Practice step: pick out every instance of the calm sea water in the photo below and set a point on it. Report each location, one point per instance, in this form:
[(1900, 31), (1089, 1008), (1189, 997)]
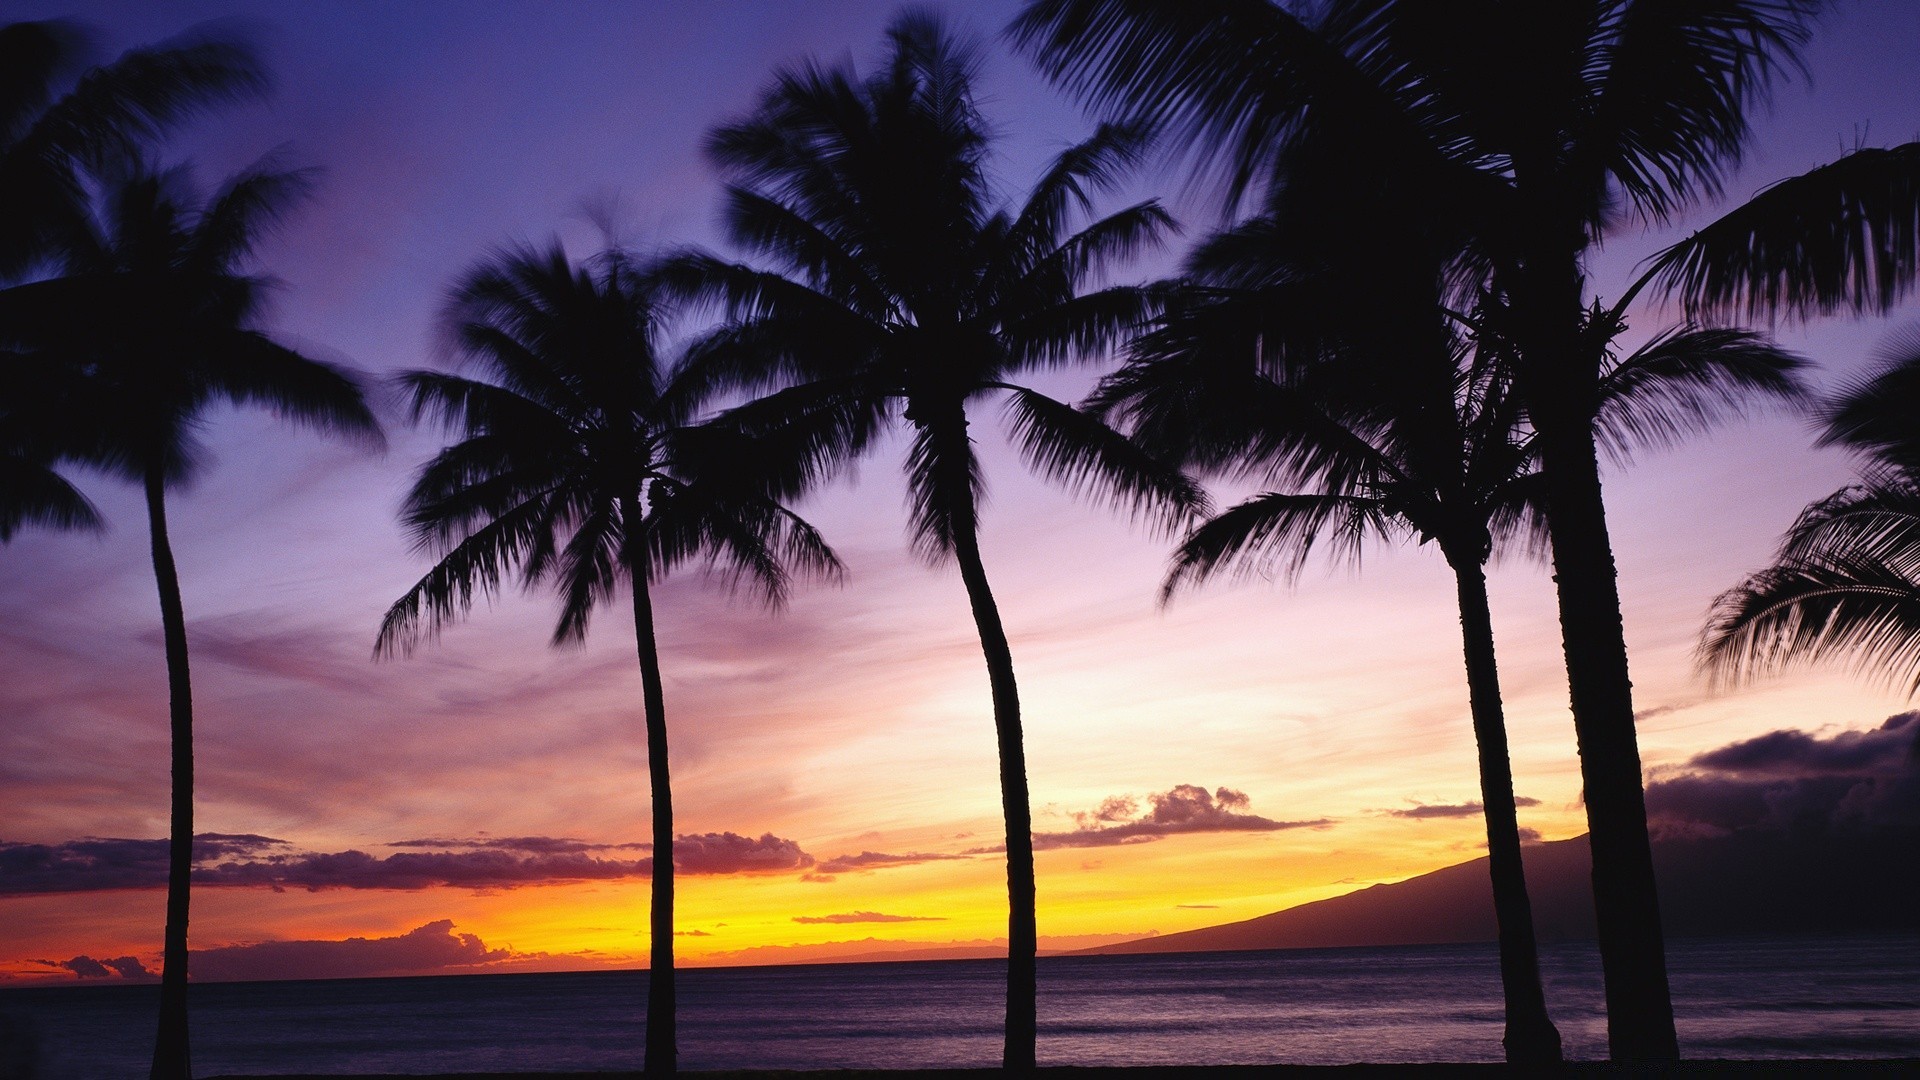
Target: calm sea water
[(1856, 996)]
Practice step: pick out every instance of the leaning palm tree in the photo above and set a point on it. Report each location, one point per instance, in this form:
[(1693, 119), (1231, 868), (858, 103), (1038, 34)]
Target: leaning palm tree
[(1845, 583), (153, 319), (1400, 423), (1528, 131), (579, 465), (901, 290)]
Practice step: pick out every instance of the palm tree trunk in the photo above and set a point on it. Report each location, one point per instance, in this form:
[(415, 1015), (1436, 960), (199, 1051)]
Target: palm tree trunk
[(1531, 1038), (171, 1060), (1559, 374), (1626, 905), (662, 1055), (1023, 1025)]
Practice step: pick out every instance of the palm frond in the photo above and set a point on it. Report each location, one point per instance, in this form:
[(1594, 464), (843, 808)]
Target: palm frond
[(1841, 237), (1812, 610), (1672, 86), (246, 210), (945, 488), (1079, 450), (116, 108), (1068, 187), (1874, 415), (1276, 532), (1685, 380), (473, 566), (598, 552), (1221, 80), (1051, 274), (1081, 328), (32, 493), (251, 368)]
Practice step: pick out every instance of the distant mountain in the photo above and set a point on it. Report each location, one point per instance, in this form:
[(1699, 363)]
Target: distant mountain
[(1755, 882)]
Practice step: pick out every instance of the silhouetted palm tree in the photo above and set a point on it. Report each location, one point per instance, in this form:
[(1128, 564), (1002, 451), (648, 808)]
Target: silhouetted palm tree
[(902, 289), (1392, 423), (1846, 580), (1526, 131), (579, 466), (153, 319)]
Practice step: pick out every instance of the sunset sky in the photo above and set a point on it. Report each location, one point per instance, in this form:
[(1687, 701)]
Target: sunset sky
[(482, 805)]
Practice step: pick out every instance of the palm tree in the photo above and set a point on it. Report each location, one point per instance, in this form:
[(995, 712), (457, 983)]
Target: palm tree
[(1846, 580), (901, 290), (1398, 423), (579, 466), (1526, 131), (182, 334)]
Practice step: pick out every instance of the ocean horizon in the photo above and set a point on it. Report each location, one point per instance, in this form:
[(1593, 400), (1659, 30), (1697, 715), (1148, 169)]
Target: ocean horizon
[(1810, 996)]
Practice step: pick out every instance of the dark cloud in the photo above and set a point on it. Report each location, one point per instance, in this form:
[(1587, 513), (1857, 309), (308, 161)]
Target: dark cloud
[(1794, 782), (1196, 907), (1454, 810), (866, 917), (730, 853), (424, 949), (539, 845), (879, 860), (98, 862), (86, 967), (263, 862), (485, 868), (1787, 754), (1187, 808)]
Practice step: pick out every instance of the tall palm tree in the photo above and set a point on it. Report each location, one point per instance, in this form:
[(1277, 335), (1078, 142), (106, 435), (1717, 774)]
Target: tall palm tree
[(153, 319), (579, 466), (1527, 131), (1846, 580), (1393, 423), (899, 288)]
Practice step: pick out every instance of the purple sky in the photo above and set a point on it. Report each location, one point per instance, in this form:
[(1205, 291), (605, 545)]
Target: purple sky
[(858, 721)]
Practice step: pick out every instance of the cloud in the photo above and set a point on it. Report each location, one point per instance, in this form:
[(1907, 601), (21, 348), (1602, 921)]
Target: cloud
[(1196, 907), (730, 853), (877, 860), (241, 860), (544, 845), (97, 862), (1186, 808), (1795, 782), (1788, 754), (86, 967), (1454, 810), (433, 947), (865, 917)]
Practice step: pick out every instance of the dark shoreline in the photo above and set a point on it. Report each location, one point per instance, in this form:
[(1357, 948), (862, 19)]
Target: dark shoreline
[(1595, 1069)]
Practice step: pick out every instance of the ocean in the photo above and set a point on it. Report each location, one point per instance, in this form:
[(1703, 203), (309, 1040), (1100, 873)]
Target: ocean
[(1850, 996)]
